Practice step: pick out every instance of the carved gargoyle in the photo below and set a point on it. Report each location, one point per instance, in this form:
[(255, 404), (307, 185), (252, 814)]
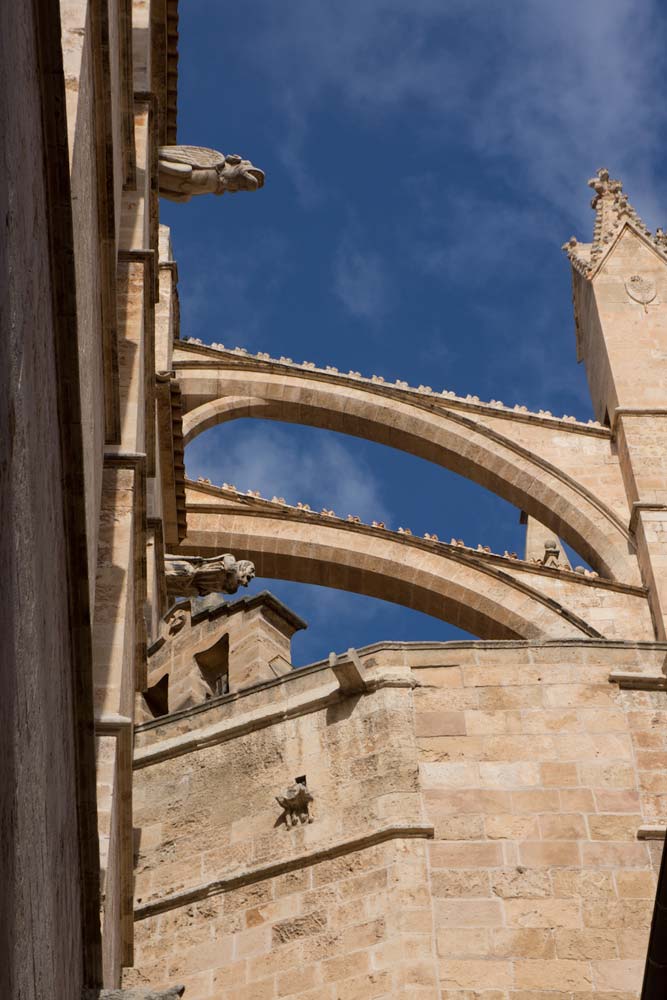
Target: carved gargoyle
[(187, 170), (194, 576), (296, 802)]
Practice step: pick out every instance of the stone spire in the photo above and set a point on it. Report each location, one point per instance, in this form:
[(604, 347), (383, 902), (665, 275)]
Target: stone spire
[(612, 211)]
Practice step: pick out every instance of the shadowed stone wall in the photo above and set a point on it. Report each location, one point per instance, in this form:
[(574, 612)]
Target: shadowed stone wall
[(48, 870)]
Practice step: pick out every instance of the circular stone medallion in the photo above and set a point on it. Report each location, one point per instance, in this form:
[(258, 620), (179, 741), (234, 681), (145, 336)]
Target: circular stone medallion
[(641, 289)]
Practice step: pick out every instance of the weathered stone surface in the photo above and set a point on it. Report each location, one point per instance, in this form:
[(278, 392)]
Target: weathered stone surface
[(193, 576), (49, 901), (185, 171)]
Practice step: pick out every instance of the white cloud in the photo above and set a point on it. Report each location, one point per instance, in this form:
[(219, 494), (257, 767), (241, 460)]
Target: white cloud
[(548, 91), (360, 279), (272, 460), (225, 283), (465, 237)]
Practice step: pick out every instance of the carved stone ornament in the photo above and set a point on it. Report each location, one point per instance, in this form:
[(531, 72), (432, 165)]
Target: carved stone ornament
[(551, 555), (187, 170), (296, 802), (176, 622), (641, 289), (194, 576)]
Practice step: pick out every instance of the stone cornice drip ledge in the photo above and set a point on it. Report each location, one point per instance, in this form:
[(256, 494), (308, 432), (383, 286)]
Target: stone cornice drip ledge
[(247, 876)]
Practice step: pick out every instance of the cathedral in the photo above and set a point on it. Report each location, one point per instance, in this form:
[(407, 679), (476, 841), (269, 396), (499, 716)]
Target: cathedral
[(182, 811)]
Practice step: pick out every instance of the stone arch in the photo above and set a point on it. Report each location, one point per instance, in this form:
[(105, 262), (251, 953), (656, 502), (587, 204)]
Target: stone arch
[(215, 393), (456, 587)]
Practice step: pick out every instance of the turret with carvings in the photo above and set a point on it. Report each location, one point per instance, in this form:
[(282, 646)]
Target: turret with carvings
[(188, 170)]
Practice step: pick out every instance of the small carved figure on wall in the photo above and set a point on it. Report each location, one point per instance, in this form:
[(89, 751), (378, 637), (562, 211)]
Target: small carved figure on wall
[(184, 171), (176, 622), (194, 576), (295, 801)]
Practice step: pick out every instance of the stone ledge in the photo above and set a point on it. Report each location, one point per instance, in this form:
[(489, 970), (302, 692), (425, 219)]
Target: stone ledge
[(321, 666), (583, 642), (636, 411), (638, 508), (397, 831), (651, 832), (629, 681), (231, 729), (468, 645), (170, 993)]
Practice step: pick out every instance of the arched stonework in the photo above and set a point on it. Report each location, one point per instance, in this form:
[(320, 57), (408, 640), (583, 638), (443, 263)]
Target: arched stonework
[(490, 596), (565, 474)]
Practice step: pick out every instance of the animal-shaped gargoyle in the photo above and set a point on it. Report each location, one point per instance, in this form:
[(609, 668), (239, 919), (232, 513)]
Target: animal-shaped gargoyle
[(296, 801), (187, 170)]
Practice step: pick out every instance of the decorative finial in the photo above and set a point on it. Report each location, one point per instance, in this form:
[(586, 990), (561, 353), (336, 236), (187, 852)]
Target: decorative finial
[(604, 186), (612, 209)]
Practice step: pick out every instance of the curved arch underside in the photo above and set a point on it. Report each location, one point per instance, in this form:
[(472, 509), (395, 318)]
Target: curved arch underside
[(490, 597), (217, 391)]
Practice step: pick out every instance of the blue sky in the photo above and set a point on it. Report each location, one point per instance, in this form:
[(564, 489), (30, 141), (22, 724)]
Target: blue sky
[(424, 163)]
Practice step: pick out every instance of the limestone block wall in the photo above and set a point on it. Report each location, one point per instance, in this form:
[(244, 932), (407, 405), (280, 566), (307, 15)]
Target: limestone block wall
[(234, 903), (627, 344), (536, 779), (356, 926), (78, 364), (479, 834)]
